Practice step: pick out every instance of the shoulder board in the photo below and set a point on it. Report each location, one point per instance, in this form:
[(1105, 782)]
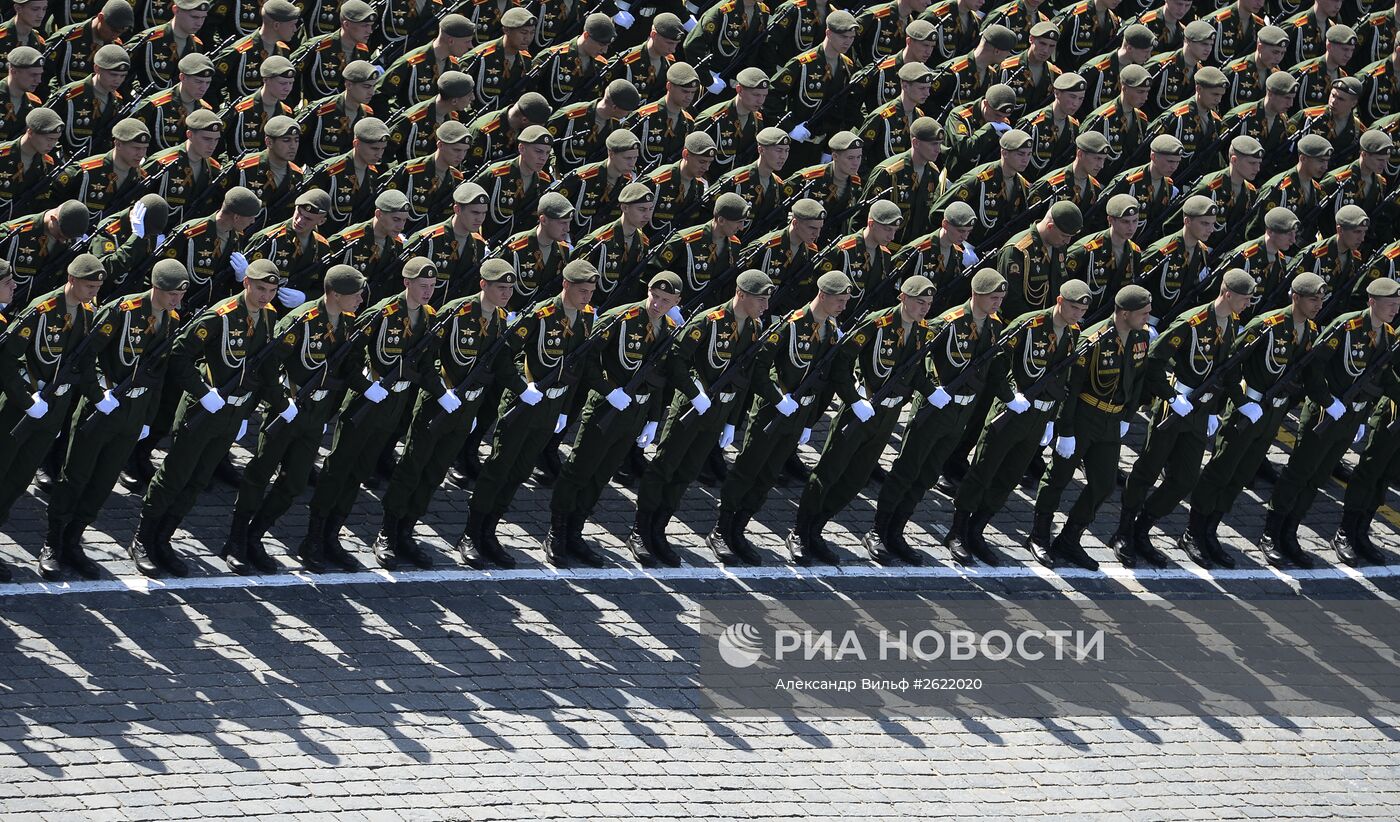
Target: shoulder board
[(1137, 176), (226, 307), (632, 57), (883, 11), (649, 109), (197, 229), (662, 175), (1315, 110), (881, 322), (215, 164), (500, 171), (416, 166), (338, 166), (987, 174), (812, 173), (415, 59), (589, 172), (431, 312), (1274, 319), (1036, 321), (250, 161), (954, 313), (1320, 251), (808, 56), (1094, 244), (577, 112), (1182, 109), (546, 311), (692, 236), (1199, 317), (519, 244), (47, 305), (631, 313), (132, 303), (848, 243), (1011, 62), (1058, 177), (1170, 246), (1252, 251), (717, 314), (92, 163), (1025, 242), (244, 104), (353, 233), (326, 107), (1355, 322), (75, 91)]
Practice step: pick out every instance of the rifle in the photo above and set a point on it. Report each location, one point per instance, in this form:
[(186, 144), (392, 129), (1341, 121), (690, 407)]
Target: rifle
[(216, 184), (140, 375), (567, 368), (1046, 380), (1213, 381), (473, 379), (321, 379), (967, 371), (828, 104), (1363, 388), (817, 372), (42, 188), (402, 371), (895, 379), (1339, 294), (243, 378), (62, 380)]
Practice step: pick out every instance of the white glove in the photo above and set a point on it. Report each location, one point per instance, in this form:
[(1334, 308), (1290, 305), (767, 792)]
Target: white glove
[(675, 315), (787, 406), (1336, 409), (1000, 128), (240, 265), (376, 393), (1181, 405), (1360, 434), (242, 429), (969, 255), (473, 428), (290, 297), (624, 19), (619, 399), (137, 217), (379, 71), (800, 133), (531, 395), (290, 412), (1048, 435), (1064, 446), (939, 398), (1122, 429), (511, 316), (449, 401), (561, 423), (145, 432), (806, 435), (690, 24), (648, 435), (1151, 333), (108, 403), (701, 402), (211, 401), (863, 410), (1201, 277), (1019, 404), (1252, 411), (1212, 425), (717, 84), (160, 240), (38, 407), (726, 436)]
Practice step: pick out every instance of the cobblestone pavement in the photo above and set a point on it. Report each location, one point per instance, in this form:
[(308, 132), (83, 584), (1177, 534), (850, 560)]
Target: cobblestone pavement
[(541, 695)]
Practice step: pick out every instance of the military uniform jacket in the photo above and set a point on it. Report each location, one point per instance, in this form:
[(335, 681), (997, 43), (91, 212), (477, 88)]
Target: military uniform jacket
[(561, 70), (33, 348), (486, 16), (156, 52), (821, 183), (381, 263), (1307, 35), (1266, 269), (177, 180), (1052, 141), (914, 190), (994, 197), (697, 255), (1236, 31), (706, 347), (962, 341), (1353, 342), (1375, 37), (490, 139), (1315, 81), (125, 329), (1290, 191), (352, 192), (971, 140), (321, 62), (794, 27), (874, 349), (1107, 379), (306, 339), (594, 199), (1275, 133), (1085, 32), (671, 202), (513, 197), (1062, 184), (1381, 95), (1153, 196), (1094, 260), (428, 186), (392, 331), (737, 141), (1283, 343), (1030, 82), (763, 192), (1326, 259), (866, 269), (1195, 127), (789, 351), (77, 11), (457, 264), (628, 338), (26, 246), (875, 89), (232, 18), (1246, 81), (400, 18), (123, 254), (781, 262), (1100, 81), (1171, 265), (661, 131), (298, 258), (1169, 34), (164, 114), (930, 260), (1175, 79), (1033, 349), (635, 65), (1343, 134), (886, 131), (496, 73), (87, 120), (954, 33), (881, 32), (410, 80), (1124, 128), (616, 256), (214, 349), (960, 81), (196, 244), (327, 129), (556, 18), (578, 135), (1186, 353), (1033, 272), (237, 68), (12, 113), (533, 269), (1235, 204), (464, 339), (1356, 188), (95, 182), (1018, 17), (277, 193), (540, 343), (802, 85), (73, 50), (245, 120)]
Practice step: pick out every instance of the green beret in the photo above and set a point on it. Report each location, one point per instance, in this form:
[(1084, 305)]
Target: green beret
[(362, 71), (773, 136), (1281, 82), (131, 130), (1383, 287), (1093, 142), (344, 279), (755, 282), (917, 286), (1000, 37), (841, 22), (170, 275), (24, 57), (1066, 217), (1281, 219), (920, 31), (1045, 29), (1167, 144), (700, 144), (1348, 216), (496, 270), (555, 206), (926, 130), (834, 282), (1340, 33), (73, 219), (1122, 205), (620, 139), (532, 135), (112, 56), (635, 193), (315, 199), (86, 267), (988, 281), (1308, 284), (1070, 81), (242, 201), (1139, 36), (391, 201), (1350, 85), (1210, 76), (534, 108), (885, 212), (263, 271), (457, 25), (959, 214), (204, 120), (666, 281), (1199, 31), (277, 66), (752, 78), (418, 268), (1247, 146), (472, 194), (623, 94), (1199, 205), (281, 126), (1076, 291), (280, 11), (599, 28), (451, 132), (1272, 36), (1376, 141), (1132, 298), (914, 72), (669, 26), (455, 84), (1315, 146), (808, 209), (580, 271), (1134, 76), (1001, 97), (1013, 139), (118, 15), (517, 17), (843, 140), (682, 74), (157, 214), (1238, 281), (731, 206), (195, 64)]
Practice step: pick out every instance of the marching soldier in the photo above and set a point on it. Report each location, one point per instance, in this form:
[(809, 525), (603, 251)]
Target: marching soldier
[(143, 227), (1316, 75), (580, 131), (1265, 259), (1238, 25), (294, 245), (495, 135), (663, 125), (1032, 262), (680, 186), (375, 246), (956, 24), (412, 132), (17, 98), (645, 65), (416, 76), (1336, 121), (1176, 266), (1031, 74), (1195, 122), (514, 186), (499, 67), (1249, 74), (1298, 190), (165, 112), (538, 256), (882, 28), (1266, 120), (1020, 16), (429, 181), (1107, 260), (1361, 182), (1381, 80), (246, 120), (734, 124), (1377, 36), (28, 245), (618, 249), (209, 247), (75, 44), (89, 107), (974, 129), (107, 182), (455, 245), (997, 191), (702, 252), (758, 182), (328, 124), (1104, 74), (835, 184), (880, 86), (593, 189), (865, 257), (803, 91), (942, 254), (1232, 188), (913, 179), (728, 34), (1053, 128), (1077, 182), (186, 173), (156, 51), (885, 132), (565, 71), (240, 63), (787, 254), (271, 173), (1175, 71), (350, 178), (1086, 29), (322, 59), (1367, 488), (963, 79), (1167, 22), (1151, 183), (1337, 259)]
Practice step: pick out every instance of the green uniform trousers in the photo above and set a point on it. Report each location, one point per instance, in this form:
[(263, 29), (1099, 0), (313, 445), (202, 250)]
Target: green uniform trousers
[(1313, 458), (1378, 466), (760, 459), (1097, 444), (293, 447), (355, 450), (1241, 447), (848, 458), (435, 439), (1173, 453), (680, 454), (1000, 459), (923, 451), (21, 456), (194, 454), (96, 456), (515, 448), (597, 453)]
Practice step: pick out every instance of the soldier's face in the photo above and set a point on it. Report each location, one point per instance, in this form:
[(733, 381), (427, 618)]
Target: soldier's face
[(1282, 240), (753, 98), (1177, 9), (452, 154), (1134, 96), (344, 303), (1124, 227), (914, 308), (1210, 97), (591, 48), (577, 295), (1308, 306), (832, 304), (519, 39), (807, 231), (972, 5), (167, 300), (1247, 167), (1252, 6), (774, 157), (357, 32), (927, 151), (305, 219), (554, 229), (918, 51), (7, 290), (663, 46), (26, 79), (472, 216), (956, 234), (1235, 303), (1017, 160), (534, 156), (1270, 56), (680, 96), (1313, 167), (1069, 101), (1092, 162), (848, 161), (625, 162), (1351, 237), (497, 293), (882, 234), (1342, 103), (420, 289), (370, 153), (751, 306), (110, 79), (190, 21), (457, 46), (1134, 320), (84, 290), (458, 104), (130, 153), (1385, 308), (1329, 7), (840, 41), (1279, 103), (284, 31), (203, 143), (278, 88), (1198, 50), (726, 228), (361, 93), (638, 214), (195, 86), (698, 165), (917, 92), (1375, 163), (43, 143), (1200, 227), (659, 302), (1165, 164), (1070, 313), (391, 223), (284, 148), (241, 223), (1042, 48), (258, 293), (988, 303), (32, 14)]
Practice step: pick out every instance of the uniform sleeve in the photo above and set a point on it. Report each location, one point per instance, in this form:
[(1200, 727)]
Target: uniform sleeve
[(1078, 373), (761, 379), (850, 351), (186, 351), (1161, 360)]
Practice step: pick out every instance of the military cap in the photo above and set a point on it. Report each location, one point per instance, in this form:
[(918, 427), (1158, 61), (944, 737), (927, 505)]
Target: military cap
[(1341, 33), (834, 282), (535, 134), (496, 270), (242, 201), (157, 213), (623, 94), (316, 199), (773, 136), (1167, 144), (1199, 31), (362, 71), (555, 206), (263, 271), (841, 22), (580, 271), (191, 5), (25, 57), (808, 209), (731, 206), (753, 281), (196, 65), (112, 56), (280, 11), (842, 140), (1092, 141), (1315, 146), (1210, 76), (170, 275), (1014, 138), (131, 130), (517, 17), (920, 31), (1076, 291), (455, 84), (926, 130), (371, 130), (471, 194), (1376, 141), (682, 74), (391, 201), (1308, 284), (43, 121), (1350, 85), (1280, 219), (915, 72), (451, 132), (1246, 146), (1350, 216), (635, 193), (1272, 36), (344, 279), (959, 214), (700, 144), (1139, 36), (205, 120), (1132, 298), (1133, 76), (118, 14), (1000, 37), (620, 139), (1383, 287), (73, 219), (418, 268), (917, 286), (599, 28), (666, 281), (1123, 205), (457, 25), (1066, 217), (1045, 29), (281, 126), (534, 108), (669, 26), (1281, 82), (1070, 81), (1199, 205), (1002, 98), (86, 267), (752, 78), (356, 11), (885, 212), (6, 272), (277, 66), (1238, 281), (988, 281)]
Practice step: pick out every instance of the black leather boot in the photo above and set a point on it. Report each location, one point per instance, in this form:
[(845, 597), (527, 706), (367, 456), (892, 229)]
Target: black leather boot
[(1212, 546), (1039, 542), (1193, 540), (556, 542), (1342, 543), (470, 545), (74, 556), (1122, 543), (815, 548), (874, 540), (169, 558), (977, 538), (1068, 546), (661, 547), (1288, 540), (718, 538), (1361, 538), (386, 543), (51, 554), (409, 547), (579, 547), (492, 545), (256, 551), (312, 551), (957, 538), (739, 542), (140, 548), (1269, 543), (333, 549), (235, 548), (639, 539), (1142, 543)]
